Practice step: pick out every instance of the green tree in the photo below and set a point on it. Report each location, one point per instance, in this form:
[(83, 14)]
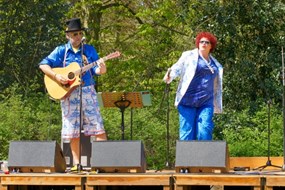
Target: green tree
[(28, 29)]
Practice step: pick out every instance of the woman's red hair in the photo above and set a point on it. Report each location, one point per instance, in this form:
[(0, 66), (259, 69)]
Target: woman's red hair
[(209, 36)]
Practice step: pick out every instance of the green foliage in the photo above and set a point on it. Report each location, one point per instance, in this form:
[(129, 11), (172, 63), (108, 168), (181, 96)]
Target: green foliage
[(29, 29), (247, 132), (250, 48), (32, 118)]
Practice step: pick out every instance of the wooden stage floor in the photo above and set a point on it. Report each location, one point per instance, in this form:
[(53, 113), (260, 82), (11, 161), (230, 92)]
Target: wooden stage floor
[(268, 179)]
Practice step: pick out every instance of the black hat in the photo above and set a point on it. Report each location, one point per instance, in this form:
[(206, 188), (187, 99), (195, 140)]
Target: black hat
[(73, 24)]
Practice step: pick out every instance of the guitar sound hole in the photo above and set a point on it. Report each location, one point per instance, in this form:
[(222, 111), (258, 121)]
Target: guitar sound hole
[(71, 75), (66, 85)]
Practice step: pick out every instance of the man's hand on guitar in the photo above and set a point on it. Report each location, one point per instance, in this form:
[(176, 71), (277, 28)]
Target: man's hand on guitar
[(59, 78), (61, 81), (101, 66)]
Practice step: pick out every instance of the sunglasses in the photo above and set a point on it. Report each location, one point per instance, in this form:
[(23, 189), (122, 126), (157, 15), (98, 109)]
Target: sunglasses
[(77, 33), (204, 42)]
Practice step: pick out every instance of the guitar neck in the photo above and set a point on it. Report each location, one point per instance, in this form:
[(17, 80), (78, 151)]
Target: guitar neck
[(89, 66)]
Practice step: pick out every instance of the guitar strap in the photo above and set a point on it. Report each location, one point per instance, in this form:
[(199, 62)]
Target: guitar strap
[(65, 54), (85, 60)]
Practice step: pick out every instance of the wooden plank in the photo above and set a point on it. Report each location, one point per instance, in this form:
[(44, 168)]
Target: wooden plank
[(41, 180), (128, 179), (272, 181), (3, 187), (100, 180), (225, 180)]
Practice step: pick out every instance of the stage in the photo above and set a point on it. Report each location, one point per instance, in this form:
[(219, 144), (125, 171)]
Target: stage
[(268, 179)]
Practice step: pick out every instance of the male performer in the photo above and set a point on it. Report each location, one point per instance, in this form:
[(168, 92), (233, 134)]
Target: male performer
[(76, 51)]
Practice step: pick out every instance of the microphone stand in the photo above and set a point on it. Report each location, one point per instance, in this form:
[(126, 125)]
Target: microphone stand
[(283, 108), (166, 93), (268, 163), (79, 166), (167, 126)]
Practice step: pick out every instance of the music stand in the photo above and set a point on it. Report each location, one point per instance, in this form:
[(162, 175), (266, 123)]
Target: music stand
[(122, 100)]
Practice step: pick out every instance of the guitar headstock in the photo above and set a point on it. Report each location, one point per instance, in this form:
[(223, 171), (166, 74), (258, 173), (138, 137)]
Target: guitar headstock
[(112, 55)]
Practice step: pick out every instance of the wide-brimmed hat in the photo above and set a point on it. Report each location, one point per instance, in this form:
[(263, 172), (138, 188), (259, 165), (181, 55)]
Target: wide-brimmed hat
[(73, 24)]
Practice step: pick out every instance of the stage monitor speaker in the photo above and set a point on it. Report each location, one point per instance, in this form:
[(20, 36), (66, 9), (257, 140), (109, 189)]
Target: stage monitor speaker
[(118, 157), (202, 156), (36, 156)]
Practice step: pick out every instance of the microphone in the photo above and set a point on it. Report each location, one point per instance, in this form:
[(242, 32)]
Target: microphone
[(83, 40), (166, 77), (168, 72)]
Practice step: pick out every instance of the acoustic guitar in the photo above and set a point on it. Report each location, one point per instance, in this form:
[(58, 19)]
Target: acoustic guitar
[(72, 72)]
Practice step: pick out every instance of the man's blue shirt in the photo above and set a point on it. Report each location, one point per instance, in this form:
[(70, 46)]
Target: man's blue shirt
[(57, 56)]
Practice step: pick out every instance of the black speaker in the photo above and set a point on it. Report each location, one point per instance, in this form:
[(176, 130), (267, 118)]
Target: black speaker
[(36, 156), (118, 157), (202, 156)]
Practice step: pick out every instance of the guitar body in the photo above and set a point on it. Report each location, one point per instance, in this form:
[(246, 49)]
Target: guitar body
[(72, 72), (59, 91)]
